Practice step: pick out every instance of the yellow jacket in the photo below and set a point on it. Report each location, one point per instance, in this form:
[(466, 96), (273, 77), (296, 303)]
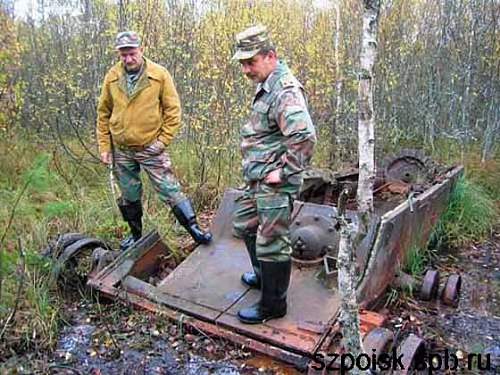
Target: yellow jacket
[(152, 112)]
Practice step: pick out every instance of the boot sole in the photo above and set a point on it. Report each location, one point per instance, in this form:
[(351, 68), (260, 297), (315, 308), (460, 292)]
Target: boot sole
[(249, 285), (247, 321)]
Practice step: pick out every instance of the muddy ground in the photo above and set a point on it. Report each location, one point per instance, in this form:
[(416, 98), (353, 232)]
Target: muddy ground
[(113, 338), (473, 327)]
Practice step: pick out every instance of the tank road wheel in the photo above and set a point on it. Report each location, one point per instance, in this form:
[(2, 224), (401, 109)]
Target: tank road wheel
[(451, 291), (413, 351), (379, 339), (409, 166), (430, 285)]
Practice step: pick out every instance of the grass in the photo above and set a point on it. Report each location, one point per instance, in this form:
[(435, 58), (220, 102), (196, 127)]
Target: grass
[(56, 195), (470, 217), (416, 261)]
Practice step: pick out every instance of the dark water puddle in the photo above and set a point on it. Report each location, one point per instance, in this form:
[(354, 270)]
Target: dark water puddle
[(138, 342)]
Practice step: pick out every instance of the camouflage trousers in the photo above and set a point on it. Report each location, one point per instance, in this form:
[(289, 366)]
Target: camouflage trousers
[(265, 210), (156, 162)]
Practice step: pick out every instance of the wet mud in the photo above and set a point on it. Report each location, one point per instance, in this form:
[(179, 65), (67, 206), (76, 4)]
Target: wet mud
[(471, 328)]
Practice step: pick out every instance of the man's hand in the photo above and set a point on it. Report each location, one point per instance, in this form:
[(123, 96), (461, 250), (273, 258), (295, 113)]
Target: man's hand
[(106, 158), (158, 145), (273, 177)]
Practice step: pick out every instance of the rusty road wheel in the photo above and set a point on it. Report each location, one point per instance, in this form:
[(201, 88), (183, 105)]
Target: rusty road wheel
[(430, 285), (413, 351), (379, 339), (451, 291), (410, 166)]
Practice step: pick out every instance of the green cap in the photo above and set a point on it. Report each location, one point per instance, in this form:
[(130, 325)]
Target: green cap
[(250, 42), (127, 39)]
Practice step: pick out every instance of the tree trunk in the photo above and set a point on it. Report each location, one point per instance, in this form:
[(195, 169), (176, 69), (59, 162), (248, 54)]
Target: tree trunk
[(347, 280), (338, 83), (490, 135), (366, 117)]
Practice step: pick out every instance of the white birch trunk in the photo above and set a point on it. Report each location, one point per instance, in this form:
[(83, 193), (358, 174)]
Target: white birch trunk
[(347, 280), (346, 262), (366, 116)]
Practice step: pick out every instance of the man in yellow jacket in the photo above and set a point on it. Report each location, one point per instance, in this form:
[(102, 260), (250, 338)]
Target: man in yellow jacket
[(139, 113)]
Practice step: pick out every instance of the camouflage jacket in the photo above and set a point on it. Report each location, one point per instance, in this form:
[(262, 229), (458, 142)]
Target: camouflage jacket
[(279, 133)]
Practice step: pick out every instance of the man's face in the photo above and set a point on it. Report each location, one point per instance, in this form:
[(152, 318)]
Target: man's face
[(259, 67), (131, 57)]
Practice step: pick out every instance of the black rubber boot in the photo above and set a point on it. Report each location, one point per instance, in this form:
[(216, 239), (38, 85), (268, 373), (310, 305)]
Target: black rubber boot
[(132, 214), (252, 279), (184, 213), (272, 304)]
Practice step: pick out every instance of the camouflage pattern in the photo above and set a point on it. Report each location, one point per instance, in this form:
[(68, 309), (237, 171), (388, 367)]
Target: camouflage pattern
[(133, 78), (278, 135), (265, 210), (127, 39), (156, 162), (250, 42)]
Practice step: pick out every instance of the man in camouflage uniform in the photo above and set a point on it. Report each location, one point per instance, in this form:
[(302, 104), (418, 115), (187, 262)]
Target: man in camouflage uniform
[(277, 144), (139, 114)]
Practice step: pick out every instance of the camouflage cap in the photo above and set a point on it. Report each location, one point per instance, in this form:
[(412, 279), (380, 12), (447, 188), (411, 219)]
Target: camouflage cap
[(127, 39), (250, 42)]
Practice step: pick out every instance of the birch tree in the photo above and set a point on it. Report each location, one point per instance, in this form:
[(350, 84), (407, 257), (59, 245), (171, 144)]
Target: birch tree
[(346, 264), (347, 279), (366, 116)]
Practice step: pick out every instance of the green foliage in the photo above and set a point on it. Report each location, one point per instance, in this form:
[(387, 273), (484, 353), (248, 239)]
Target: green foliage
[(486, 175), (37, 178), (54, 209), (7, 262), (65, 196), (470, 216), (415, 261), (51, 70)]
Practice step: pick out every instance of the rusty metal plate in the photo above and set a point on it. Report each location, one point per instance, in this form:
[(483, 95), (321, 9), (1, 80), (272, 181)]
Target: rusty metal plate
[(210, 276), (311, 309), (400, 230), (207, 286)]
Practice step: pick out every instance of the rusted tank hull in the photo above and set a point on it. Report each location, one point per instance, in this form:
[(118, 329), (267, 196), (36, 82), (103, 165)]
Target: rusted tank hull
[(205, 290), (407, 226)]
